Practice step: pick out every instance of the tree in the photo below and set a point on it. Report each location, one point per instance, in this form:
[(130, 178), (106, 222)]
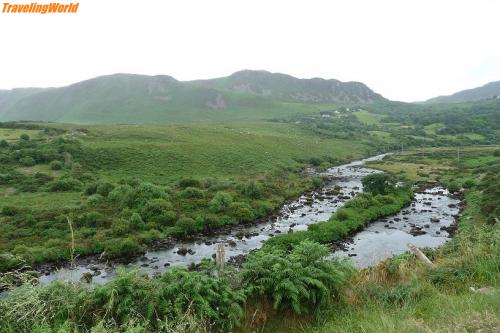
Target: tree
[(378, 183)]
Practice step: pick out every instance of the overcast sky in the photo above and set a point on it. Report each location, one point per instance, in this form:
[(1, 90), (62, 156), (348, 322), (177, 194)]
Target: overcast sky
[(405, 50)]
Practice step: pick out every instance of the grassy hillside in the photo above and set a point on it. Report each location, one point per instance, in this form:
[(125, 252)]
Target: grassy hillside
[(127, 98), (72, 171), (488, 91)]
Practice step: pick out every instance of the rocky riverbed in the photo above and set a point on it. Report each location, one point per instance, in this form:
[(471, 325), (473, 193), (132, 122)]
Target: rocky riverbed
[(426, 223)]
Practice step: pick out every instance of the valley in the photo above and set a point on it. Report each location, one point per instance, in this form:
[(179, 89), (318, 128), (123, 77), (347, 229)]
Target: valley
[(315, 206)]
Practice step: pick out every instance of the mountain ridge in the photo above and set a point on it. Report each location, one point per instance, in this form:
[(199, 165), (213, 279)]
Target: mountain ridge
[(123, 97), (486, 91)]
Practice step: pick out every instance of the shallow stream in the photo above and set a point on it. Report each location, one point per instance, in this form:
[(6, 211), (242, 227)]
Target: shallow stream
[(378, 241)]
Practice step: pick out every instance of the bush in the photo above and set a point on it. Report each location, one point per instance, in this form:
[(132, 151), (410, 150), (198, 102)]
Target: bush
[(189, 182), (341, 215), (252, 190), (122, 195), (209, 298), (453, 187), (155, 210), (24, 137), (10, 210), (192, 193), (122, 248), (314, 161), (360, 201), (242, 211), (221, 201), (103, 188), (317, 182), (90, 189), (186, 225), (384, 199), (378, 183), (64, 185), (56, 165), (120, 227), (136, 221), (94, 200), (146, 192), (76, 170), (300, 281), (469, 183), (27, 161), (9, 261), (4, 144), (91, 219)]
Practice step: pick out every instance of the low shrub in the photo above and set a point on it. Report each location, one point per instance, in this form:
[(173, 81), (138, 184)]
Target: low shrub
[(146, 192), (122, 196), (94, 200), (122, 248), (56, 165), (24, 137), (65, 185), (192, 193), (10, 210), (220, 202), (301, 281), (90, 189), (104, 188), (186, 225), (154, 210), (342, 215), (252, 190), (91, 219), (27, 161), (378, 183), (189, 182), (241, 211), (136, 221)]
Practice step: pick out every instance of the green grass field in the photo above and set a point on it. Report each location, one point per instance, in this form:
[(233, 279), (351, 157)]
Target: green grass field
[(12, 134), (266, 157), (368, 117), (165, 153)]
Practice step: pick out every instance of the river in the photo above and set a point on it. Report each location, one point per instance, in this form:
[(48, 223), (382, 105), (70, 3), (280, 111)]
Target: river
[(378, 241)]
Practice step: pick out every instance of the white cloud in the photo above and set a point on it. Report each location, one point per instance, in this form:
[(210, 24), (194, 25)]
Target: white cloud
[(405, 50)]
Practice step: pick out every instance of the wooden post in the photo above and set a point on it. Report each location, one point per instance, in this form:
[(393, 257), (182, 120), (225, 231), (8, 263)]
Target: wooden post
[(419, 254), (220, 257)]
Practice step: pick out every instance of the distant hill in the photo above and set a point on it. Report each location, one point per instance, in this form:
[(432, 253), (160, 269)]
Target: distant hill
[(489, 90), (129, 98), (288, 88)]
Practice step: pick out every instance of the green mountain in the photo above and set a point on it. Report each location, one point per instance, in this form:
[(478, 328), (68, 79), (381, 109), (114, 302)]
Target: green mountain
[(288, 88), (489, 90), (128, 98)]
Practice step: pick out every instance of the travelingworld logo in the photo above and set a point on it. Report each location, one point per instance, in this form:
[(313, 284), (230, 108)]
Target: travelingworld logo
[(40, 8)]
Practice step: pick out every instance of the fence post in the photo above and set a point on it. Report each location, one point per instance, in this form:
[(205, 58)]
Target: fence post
[(420, 255), (220, 257)]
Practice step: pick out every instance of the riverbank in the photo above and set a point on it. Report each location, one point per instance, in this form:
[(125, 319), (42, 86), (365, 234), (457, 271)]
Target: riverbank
[(354, 216), (461, 292), (343, 183)]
